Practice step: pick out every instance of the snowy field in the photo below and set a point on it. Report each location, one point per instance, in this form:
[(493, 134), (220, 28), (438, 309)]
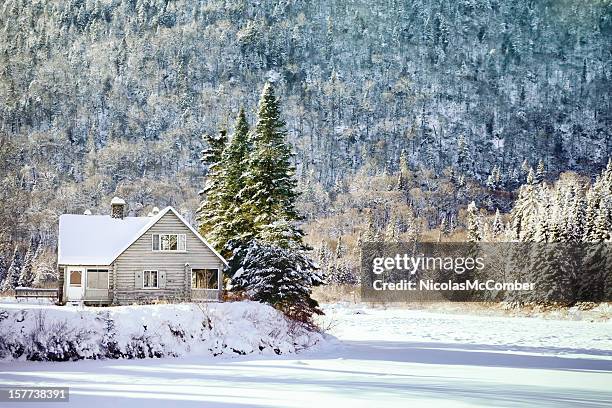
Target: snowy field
[(382, 358)]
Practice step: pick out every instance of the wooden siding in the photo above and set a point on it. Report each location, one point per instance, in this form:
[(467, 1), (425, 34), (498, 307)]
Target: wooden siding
[(172, 264)]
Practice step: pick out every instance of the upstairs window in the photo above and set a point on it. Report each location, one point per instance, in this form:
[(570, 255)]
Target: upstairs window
[(169, 242)]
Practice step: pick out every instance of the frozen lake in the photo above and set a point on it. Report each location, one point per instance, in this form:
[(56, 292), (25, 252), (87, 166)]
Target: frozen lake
[(384, 358)]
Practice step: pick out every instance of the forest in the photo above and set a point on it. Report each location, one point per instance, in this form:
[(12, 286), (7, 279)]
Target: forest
[(399, 114)]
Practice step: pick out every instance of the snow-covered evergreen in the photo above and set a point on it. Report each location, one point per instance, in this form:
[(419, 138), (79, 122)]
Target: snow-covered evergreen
[(27, 274), (474, 227), (270, 188), (14, 271), (280, 277), (211, 210)]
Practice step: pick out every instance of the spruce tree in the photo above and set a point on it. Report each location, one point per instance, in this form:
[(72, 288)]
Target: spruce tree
[(473, 223), (597, 266), (463, 155), (269, 193), (525, 210), (497, 228), (269, 262), (26, 275), (211, 211), (540, 174), (14, 271), (525, 168), (392, 231), (232, 224), (3, 269)]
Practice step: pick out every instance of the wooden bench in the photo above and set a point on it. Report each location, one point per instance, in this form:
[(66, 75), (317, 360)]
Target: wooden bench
[(21, 292)]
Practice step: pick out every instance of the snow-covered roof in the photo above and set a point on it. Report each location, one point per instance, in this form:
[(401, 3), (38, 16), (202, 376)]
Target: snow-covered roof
[(100, 239)]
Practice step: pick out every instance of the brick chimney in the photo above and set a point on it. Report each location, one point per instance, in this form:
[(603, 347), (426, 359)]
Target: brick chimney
[(118, 208)]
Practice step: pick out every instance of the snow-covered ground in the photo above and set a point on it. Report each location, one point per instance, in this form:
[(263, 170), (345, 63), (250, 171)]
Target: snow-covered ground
[(383, 358), (43, 332)]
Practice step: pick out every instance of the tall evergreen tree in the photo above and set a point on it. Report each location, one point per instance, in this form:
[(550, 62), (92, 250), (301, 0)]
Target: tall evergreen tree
[(3, 269), (232, 224), (473, 223), (210, 213), (14, 271), (497, 228), (268, 262), (269, 193), (525, 210), (540, 174), (26, 275)]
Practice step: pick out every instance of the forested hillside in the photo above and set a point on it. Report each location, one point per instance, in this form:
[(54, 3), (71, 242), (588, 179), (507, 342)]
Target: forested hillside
[(450, 100)]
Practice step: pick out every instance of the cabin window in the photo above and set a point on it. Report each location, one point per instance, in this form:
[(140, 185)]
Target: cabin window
[(75, 278), (149, 279), (205, 278), (169, 242), (97, 278)]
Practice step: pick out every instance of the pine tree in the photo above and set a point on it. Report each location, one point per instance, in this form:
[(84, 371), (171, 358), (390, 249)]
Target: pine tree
[(552, 273), (232, 224), (269, 262), (3, 269), (340, 273), (540, 174), (541, 222), (269, 193), (494, 181), (370, 233), (211, 211), (14, 271), (392, 232), (525, 168), (525, 210), (598, 197), (463, 156), (497, 228), (473, 223), (26, 276), (404, 171), (323, 256)]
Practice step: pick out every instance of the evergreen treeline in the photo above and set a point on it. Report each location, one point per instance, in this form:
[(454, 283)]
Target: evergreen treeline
[(557, 236)]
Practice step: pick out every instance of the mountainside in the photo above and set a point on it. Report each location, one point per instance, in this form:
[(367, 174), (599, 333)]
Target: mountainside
[(113, 97)]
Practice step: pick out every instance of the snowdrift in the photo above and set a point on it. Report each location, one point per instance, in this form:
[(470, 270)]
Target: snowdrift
[(55, 333)]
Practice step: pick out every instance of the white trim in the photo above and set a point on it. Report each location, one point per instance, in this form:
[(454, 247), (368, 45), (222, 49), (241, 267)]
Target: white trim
[(156, 280)]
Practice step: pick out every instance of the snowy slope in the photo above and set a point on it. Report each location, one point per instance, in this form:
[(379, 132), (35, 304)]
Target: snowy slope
[(386, 358)]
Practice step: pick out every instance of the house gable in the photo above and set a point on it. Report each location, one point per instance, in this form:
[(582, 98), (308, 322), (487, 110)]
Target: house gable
[(146, 229), (173, 266)]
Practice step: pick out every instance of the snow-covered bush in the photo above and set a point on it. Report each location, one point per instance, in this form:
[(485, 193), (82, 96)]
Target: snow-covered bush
[(55, 333)]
